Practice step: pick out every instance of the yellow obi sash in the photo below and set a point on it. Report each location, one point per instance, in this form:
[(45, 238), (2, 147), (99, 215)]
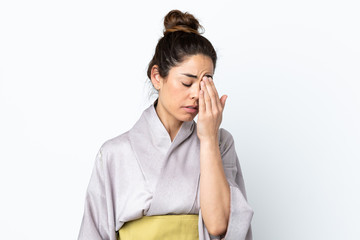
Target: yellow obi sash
[(164, 227)]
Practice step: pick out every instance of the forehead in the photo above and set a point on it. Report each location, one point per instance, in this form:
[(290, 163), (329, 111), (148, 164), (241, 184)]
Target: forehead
[(195, 64)]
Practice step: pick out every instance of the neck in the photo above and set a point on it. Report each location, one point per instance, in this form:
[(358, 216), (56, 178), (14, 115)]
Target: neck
[(171, 124)]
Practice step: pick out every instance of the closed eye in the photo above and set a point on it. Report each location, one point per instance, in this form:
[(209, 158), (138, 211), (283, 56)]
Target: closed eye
[(186, 85)]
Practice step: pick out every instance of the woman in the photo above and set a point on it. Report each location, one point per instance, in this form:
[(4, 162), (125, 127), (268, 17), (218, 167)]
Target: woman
[(169, 177)]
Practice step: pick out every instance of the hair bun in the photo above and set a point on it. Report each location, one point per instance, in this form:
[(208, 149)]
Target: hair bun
[(176, 20)]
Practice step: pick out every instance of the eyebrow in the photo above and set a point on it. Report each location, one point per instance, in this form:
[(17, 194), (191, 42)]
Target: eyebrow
[(189, 75), (194, 76)]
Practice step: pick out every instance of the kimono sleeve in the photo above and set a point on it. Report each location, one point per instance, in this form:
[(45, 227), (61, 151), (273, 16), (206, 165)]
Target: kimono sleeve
[(241, 213), (96, 222)]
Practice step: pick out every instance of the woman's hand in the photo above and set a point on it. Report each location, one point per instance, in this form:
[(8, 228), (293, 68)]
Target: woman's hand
[(210, 110)]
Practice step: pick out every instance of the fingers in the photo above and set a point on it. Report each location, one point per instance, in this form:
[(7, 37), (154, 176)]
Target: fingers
[(216, 95), (202, 107), (206, 96), (211, 92)]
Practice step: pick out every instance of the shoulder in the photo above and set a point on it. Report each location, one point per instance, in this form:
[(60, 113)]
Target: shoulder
[(227, 147), (226, 139), (225, 135), (115, 144)]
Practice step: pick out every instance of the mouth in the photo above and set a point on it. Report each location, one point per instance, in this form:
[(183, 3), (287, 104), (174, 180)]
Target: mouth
[(192, 106), (191, 109)]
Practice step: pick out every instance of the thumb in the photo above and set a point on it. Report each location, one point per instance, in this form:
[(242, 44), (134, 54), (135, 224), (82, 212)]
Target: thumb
[(223, 100)]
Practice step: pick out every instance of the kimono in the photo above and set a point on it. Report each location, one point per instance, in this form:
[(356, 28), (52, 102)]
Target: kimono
[(143, 173)]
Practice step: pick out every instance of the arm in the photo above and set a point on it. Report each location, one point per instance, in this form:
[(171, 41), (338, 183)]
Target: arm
[(95, 222), (240, 212), (214, 188), (223, 204)]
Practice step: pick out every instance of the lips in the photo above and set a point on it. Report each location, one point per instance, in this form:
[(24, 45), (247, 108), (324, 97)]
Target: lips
[(191, 109), (192, 106)]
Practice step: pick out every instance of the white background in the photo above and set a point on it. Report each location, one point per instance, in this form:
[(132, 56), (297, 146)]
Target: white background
[(73, 74)]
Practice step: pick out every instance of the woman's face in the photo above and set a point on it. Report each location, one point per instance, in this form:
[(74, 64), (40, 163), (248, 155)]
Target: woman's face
[(181, 88)]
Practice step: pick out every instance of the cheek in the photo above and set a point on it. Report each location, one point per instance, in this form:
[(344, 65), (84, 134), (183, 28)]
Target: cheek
[(175, 92)]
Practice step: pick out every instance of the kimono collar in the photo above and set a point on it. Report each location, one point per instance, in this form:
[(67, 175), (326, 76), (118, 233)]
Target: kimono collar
[(152, 125), (162, 160)]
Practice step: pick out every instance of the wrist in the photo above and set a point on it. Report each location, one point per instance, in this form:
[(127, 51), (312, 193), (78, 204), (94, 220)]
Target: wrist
[(209, 141)]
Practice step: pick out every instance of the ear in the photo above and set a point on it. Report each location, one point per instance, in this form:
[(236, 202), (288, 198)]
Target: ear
[(155, 77)]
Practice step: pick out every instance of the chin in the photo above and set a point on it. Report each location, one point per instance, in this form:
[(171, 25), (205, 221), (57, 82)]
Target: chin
[(187, 118)]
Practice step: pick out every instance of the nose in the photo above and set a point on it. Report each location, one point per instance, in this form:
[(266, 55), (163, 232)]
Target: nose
[(195, 91)]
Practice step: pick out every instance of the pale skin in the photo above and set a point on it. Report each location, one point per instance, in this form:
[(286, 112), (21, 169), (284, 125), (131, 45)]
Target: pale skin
[(196, 72)]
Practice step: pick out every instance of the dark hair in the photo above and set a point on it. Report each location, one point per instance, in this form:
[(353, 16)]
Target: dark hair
[(181, 39)]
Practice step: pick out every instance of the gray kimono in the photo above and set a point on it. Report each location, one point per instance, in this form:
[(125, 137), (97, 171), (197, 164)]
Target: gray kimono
[(142, 173)]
